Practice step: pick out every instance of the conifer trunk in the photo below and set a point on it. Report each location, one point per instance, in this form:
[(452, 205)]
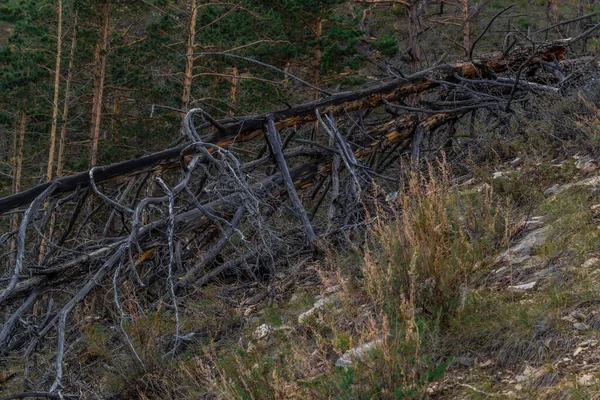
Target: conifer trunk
[(235, 81), (317, 57), (65, 112), (51, 151), (100, 56), (414, 49), (466, 25), (17, 147), (190, 43)]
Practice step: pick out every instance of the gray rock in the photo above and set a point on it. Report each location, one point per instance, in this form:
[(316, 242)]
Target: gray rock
[(592, 182), (262, 332), (465, 361), (546, 271), (520, 254), (580, 326), (592, 262), (322, 302), (524, 287), (587, 380), (319, 305), (521, 378), (585, 163), (357, 354), (305, 315)]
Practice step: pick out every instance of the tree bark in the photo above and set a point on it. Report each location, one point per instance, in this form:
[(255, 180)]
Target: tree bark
[(20, 141), (415, 9), (18, 144), (466, 25), (190, 43), (100, 56), (55, 105), (235, 81), (276, 147), (65, 112), (317, 57)]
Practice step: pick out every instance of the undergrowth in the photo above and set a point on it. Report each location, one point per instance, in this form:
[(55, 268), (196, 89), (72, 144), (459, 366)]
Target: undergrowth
[(415, 271)]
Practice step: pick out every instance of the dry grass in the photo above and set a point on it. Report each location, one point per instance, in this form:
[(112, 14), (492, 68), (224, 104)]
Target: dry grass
[(417, 268)]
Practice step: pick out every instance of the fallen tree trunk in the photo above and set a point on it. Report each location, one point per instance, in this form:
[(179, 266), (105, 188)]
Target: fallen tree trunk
[(247, 128)]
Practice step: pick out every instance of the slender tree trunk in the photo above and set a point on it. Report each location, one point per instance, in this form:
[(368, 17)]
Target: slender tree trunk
[(17, 147), (190, 43), (65, 112), (50, 168), (466, 25), (235, 81), (316, 78), (116, 109), (415, 10), (317, 56), (414, 50), (100, 56)]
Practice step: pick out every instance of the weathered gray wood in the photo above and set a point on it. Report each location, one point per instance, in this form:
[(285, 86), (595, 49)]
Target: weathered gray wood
[(275, 142)]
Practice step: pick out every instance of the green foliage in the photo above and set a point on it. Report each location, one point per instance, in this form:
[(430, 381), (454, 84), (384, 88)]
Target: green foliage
[(387, 44)]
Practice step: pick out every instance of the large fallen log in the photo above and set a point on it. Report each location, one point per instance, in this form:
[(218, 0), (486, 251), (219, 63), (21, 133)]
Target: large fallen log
[(247, 128)]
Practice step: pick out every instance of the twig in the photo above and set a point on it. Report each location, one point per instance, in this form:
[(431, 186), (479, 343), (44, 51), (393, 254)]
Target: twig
[(215, 53), (486, 29), (584, 34), (40, 395), (344, 148), (106, 198), (122, 313), (514, 88), (569, 21), (335, 192), (479, 391), (61, 317)]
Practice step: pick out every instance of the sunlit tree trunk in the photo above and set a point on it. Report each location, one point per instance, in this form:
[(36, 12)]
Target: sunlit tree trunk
[(464, 8), (50, 168), (235, 81), (100, 56), (190, 42), (18, 146)]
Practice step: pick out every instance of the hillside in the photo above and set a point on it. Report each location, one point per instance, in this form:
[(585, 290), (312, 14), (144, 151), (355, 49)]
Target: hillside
[(319, 199)]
